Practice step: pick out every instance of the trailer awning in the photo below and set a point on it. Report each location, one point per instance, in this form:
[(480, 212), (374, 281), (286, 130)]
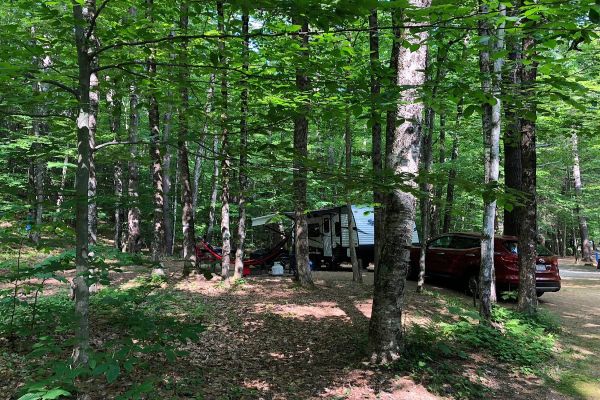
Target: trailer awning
[(271, 218)]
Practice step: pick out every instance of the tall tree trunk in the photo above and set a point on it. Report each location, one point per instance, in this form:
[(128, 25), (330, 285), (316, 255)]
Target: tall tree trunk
[(356, 268), (527, 301), (376, 132), (133, 215), (93, 183), (39, 172), (491, 78), (449, 203), (586, 246), (63, 184), (425, 188), (187, 210), (226, 158), (390, 121), (175, 199), (243, 180), (300, 155), (168, 215), (83, 16), (208, 108), (439, 187), (427, 162), (40, 128), (158, 229), (214, 190), (385, 330), (512, 141), (452, 174), (115, 108)]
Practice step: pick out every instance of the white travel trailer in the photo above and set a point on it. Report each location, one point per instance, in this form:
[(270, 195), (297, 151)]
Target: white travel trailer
[(328, 234)]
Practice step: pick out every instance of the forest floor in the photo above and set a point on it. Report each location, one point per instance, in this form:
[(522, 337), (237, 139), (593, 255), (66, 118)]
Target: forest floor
[(266, 338)]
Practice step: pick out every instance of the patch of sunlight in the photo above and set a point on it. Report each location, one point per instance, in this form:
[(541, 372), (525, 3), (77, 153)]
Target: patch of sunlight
[(298, 311), (588, 390)]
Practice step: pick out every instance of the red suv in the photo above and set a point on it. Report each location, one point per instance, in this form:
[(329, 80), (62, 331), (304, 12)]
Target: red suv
[(458, 255)]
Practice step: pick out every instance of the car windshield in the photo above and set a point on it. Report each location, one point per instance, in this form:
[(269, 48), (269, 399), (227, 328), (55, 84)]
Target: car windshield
[(512, 246)]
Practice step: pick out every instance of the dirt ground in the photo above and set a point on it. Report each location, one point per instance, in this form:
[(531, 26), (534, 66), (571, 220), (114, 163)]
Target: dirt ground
[(288, 343), (270, 340)]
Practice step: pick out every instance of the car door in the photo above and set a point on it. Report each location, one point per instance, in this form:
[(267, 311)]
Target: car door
[(436, 259), (466, 255)]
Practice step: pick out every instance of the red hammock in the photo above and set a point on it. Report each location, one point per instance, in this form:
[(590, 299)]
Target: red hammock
[(273, 253)]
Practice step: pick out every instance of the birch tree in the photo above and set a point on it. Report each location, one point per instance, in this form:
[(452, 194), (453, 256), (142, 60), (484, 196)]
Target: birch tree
[(385, 329), (586, 246), (243, 180), (490, 63)]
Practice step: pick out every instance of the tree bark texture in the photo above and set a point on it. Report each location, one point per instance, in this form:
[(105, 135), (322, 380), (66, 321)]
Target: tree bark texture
[(167, 161), (491, 72), (438, 189), (426, 159), (300, 156), (356, 268), (63, 184), (158, 229), (527, 298), (243, 180), (200, 152), (214, 190), (376, 131), (187, 209), (133, 215), (586, 246), (40, 128), (93, 123), (385, 330), (226, 157), (512, 141), (115, 109), (83, 15)]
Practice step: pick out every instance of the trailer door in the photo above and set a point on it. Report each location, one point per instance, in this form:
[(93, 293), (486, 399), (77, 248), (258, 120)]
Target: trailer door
[(327, 245)]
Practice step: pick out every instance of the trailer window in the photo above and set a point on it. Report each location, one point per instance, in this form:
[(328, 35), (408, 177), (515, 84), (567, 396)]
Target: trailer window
[(325, 225), (314, 230)]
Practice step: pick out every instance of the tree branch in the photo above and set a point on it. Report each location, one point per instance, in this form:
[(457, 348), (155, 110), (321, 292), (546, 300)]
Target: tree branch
[(62, 86), (114, 143), (93, 21), (34, 115), (69, 89)]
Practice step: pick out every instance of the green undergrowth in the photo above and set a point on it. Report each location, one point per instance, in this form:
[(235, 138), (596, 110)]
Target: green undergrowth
[(140, 329), (452, 354)]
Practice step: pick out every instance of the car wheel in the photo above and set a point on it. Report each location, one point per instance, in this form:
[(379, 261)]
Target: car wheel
[(539, 293), (473, 285)]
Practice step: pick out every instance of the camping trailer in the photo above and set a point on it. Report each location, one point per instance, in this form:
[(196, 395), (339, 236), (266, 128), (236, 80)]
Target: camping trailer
[(328, 234)]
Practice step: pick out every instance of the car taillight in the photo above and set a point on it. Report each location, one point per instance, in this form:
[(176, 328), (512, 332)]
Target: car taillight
[(554, 265)]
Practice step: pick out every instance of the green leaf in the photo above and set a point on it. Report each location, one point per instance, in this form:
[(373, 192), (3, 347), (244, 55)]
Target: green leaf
[(31, 396), (113, 372), (594, 15), (55, 394)]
